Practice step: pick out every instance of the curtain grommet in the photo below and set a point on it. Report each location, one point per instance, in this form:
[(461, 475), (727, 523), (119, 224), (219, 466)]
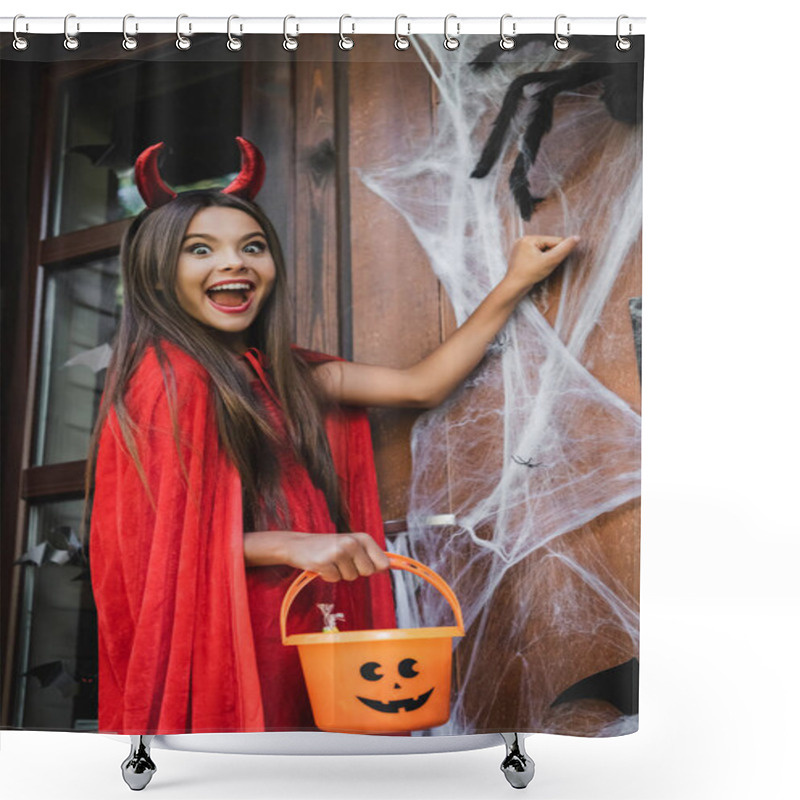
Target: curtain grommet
[(20, 42), (507, 42), (129, 42), (345, 42), (290, 42), (182, 42), (622, 43), (451, 42), (561, 42), (401, 42), (234, 44), (71, 42)]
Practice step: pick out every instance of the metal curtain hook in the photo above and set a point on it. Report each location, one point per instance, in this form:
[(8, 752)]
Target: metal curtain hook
[(507, 42), (345, 42), (233, 42), (560, 42), (289, 42), (622, 42), (20, 43), (182, 43), (70, 42), (129, 42), (401, 42), (451, 42)]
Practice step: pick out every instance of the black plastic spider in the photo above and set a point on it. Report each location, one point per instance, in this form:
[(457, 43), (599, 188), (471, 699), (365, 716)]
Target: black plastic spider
[(617, 71)]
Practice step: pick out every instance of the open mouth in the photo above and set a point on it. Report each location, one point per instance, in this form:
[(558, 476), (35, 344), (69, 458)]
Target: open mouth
[(394, 706), (231, 298)]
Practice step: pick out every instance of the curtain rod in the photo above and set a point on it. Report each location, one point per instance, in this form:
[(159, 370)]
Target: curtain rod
[(347, 25)]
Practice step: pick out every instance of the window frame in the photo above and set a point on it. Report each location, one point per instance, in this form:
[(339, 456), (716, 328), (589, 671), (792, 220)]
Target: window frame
[(38, 485)]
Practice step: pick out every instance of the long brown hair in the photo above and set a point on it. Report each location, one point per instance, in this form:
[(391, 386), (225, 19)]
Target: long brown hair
[(149, 257)]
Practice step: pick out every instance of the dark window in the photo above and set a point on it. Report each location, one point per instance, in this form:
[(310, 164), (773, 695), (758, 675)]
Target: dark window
[(102, 120)]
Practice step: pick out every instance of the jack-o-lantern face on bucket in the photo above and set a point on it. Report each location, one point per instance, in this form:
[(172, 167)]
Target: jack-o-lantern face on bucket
[(406, 690), (360, 681)]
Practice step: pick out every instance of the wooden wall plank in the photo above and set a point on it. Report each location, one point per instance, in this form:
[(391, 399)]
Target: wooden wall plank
[(268, 107), (316, 271), (395, 294)]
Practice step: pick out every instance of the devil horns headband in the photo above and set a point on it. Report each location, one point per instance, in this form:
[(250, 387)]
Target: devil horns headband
[(156, 193)]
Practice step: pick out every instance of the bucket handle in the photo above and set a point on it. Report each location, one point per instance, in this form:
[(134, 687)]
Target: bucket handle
[(395, 562)]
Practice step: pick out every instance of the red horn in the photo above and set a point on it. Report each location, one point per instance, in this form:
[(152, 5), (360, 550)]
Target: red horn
[(152, 188), (251, 175)]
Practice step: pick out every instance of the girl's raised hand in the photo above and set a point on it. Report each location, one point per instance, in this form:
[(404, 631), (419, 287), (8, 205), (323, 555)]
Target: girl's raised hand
[(335, 556), (533, 258)]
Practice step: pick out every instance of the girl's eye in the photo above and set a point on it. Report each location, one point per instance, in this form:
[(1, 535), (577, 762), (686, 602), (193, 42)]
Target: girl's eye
[(200, 249)]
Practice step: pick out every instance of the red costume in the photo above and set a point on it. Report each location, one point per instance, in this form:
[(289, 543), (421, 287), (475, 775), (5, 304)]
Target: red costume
[(188, 638)]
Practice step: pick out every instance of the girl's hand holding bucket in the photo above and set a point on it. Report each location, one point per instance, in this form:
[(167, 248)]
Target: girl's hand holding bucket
[(334, 556), (378, 681)]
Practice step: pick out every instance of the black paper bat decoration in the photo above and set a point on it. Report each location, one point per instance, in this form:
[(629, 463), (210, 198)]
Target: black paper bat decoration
[(54, 674), (61, 546), (35, 555)]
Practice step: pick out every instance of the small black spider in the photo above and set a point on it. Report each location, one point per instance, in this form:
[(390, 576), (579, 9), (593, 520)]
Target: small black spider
[(618, 73), (526, 462)]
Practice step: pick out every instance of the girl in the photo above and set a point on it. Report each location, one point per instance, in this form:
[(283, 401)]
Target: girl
[(224, 459)]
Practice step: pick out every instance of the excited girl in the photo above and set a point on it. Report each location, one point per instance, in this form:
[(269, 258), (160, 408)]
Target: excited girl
[(225, 458)]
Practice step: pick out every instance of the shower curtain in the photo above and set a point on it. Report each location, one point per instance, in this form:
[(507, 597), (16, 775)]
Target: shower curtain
[(397, 181)]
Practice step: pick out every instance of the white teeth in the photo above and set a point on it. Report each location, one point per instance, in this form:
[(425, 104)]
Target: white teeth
[(230, 286)]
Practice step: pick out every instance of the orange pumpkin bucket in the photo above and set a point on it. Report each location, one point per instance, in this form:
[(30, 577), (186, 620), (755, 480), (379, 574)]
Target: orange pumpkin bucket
[(378, 681)]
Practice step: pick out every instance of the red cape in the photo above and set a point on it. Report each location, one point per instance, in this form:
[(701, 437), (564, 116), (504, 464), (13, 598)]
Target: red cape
[(175, 641)]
